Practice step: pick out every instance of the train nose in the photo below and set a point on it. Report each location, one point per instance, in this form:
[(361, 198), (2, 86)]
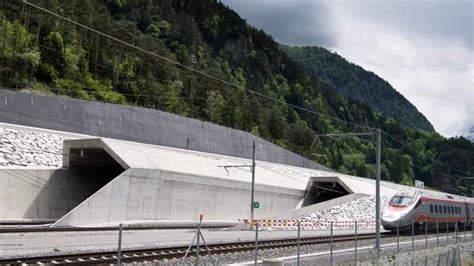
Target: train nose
[(390, 220), (392, 224)]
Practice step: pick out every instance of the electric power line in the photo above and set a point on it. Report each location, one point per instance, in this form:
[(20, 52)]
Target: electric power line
[(221, 79), (193, 69), (433, 160)]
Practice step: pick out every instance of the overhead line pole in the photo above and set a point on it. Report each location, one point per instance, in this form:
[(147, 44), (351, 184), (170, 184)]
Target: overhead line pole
[(253, 186), (252, 168), (377, 134), (377, 190)]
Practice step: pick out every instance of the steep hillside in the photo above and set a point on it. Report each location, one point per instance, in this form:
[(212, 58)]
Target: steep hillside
[(44, 54), (355, 82)]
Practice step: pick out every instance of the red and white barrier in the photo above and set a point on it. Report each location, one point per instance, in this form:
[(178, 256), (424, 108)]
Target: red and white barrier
[(312, 224)]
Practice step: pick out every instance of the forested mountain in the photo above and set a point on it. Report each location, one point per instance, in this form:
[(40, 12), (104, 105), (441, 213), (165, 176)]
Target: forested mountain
[(353, 81), (42, 53)]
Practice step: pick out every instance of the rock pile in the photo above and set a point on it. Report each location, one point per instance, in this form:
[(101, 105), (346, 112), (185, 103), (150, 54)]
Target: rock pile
[(32, 149), (356, 210), (342, 216)]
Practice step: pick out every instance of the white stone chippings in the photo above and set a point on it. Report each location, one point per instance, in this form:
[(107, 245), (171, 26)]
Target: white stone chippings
[(362, 209), (343, 216), (30, 149)]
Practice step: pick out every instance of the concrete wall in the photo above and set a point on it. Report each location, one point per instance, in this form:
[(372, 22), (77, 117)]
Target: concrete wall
[(142, 194), (41, 193), (137, 124)]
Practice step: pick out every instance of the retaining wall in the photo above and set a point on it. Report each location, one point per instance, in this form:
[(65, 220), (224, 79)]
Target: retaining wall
[(150, 194), (140, 125), (41, 193)]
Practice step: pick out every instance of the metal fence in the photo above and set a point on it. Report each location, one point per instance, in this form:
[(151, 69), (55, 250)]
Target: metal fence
[(405, 240)]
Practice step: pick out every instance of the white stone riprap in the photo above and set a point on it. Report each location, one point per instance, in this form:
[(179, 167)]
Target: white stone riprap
[(342, 216), (30, 149), (355, 210)]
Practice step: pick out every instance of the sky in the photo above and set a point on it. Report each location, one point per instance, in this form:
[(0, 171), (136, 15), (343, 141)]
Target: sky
[(423, 48)]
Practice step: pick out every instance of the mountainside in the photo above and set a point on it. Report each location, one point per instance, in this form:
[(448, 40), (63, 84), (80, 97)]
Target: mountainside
[(470, 135), (355, 82), (41, 53)]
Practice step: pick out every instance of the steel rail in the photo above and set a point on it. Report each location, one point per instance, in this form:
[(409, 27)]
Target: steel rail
[(7, 230), (147, 254)]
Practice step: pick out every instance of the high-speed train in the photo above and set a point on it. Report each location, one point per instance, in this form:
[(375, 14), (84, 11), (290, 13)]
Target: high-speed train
[(424, 209)]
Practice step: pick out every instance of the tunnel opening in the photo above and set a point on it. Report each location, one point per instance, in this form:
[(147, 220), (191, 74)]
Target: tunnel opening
[(320, 191), (92, 169)]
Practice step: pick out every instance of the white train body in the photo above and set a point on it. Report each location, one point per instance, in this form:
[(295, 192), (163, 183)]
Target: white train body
[(424, 209)]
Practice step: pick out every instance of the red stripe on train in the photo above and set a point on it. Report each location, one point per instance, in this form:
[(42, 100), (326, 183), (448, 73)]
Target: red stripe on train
[(424, 218), (426, 199), (396, 208)]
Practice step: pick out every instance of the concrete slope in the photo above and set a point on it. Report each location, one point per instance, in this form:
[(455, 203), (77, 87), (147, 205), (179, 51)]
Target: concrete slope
[(137, 155), (125, 197), (154, 195)]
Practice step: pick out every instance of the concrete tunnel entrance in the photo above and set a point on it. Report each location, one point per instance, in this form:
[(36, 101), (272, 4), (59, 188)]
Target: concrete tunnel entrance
[(323, 190), (94, 168)]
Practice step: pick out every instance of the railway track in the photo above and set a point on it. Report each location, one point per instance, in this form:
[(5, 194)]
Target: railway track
[(41, 229), (151, 254)]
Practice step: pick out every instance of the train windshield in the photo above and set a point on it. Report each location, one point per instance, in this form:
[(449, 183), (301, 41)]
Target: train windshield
[(401, 201)]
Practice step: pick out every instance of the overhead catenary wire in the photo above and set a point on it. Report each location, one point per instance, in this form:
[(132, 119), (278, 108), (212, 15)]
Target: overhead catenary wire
[(433, 160), (98, 92), (193, 69), (222, 80)]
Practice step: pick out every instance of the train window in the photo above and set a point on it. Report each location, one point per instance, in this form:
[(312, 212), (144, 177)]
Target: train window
[(459, 209), (444, 209), (435, 208), (401, 201), (450, 209), (431, 208)]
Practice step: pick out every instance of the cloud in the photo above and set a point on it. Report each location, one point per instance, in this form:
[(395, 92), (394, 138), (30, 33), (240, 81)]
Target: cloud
[(435, 19), (423, 48), (436, 75), (432, 67), (289, 22)]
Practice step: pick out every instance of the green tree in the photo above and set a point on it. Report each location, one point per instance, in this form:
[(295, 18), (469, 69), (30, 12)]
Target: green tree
[(215, 106)]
